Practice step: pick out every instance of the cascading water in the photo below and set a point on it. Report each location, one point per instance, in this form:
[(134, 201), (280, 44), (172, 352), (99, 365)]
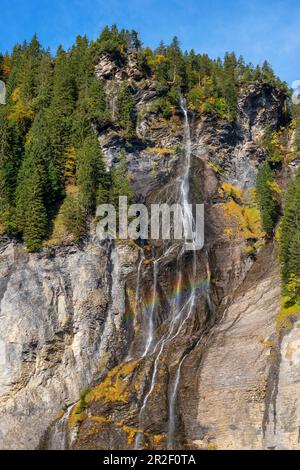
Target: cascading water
[(181, 313), (138, 280), (188, 219), (208, 297), (182, 308), (174, 389), (57, 435), (172, 403), (137, 296), (188, 229), (150, 337)]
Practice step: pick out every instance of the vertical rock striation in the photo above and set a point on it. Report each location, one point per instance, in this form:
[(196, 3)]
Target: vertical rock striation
[(215, 374)]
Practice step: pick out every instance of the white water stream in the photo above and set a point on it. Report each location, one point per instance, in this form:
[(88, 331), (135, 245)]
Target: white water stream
[(150, 337), (181, 313), (57, 437)]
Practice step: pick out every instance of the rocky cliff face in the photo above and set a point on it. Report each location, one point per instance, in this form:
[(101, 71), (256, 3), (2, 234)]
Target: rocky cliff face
[(178, 348)]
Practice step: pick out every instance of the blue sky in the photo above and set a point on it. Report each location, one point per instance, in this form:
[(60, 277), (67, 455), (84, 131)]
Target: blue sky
[(256, 29)]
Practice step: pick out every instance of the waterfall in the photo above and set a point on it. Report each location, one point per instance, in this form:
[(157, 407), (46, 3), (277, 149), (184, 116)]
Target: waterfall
[(181, 313), (172, 403), (208, 297), (115, 280), (150, 337), (188, 220), (57, 435), (188, 227), (137, 298), (173, 395), (138, 280)]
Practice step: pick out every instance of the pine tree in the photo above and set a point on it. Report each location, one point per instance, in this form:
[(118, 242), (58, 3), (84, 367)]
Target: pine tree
[(31, 211), (57, 106), (177, 75), (111, 41), (267, 72), (135, 42), (14, 66), (29, 68), (35, 221), (266, 202), (90, 110), (74, 216), (1, 67), (11, 149), (229, 84), (91, 173), (296, 116), (64, 85), (5, 67), (289, 230), (45, 146), (22, 83), (120, 183), (125, 107), (81, 62), (294, 255), (44, 83)]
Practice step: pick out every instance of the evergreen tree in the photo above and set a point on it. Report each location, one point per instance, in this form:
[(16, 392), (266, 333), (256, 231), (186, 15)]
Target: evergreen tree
[(296, 116), (74, 216), (11, 148), (267, 72), (135, 42), (35, 222), (290, 229), (120, 182), (29, 68), (177, 71), (125, 107), (229, 84), (265, 198), (91, 174), (91, 110), (57, 106), (294, 255), (1, 67), (64, 84), (111, 41), (273, 153), (81, 62), (14, 66), (44, 83), (31, 211)]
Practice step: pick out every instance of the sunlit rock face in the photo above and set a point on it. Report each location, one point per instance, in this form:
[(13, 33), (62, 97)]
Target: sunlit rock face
[(167, 348)]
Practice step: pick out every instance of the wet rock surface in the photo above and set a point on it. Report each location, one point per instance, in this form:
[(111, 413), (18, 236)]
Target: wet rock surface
[(214, 373)]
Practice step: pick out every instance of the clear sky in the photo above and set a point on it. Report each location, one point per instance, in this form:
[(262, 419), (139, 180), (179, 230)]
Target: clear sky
[(257, 29)]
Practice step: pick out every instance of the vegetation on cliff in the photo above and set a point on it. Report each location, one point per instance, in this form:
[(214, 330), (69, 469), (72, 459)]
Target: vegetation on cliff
[(52, 173), (290, 242), (281, 148), (266, 199)]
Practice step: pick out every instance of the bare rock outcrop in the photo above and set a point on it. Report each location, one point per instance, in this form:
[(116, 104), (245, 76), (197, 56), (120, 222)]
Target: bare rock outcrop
[(77, 319)]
